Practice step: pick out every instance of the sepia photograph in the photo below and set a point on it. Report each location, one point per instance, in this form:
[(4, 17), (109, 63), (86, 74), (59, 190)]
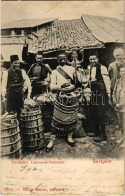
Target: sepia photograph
[(62, 98)]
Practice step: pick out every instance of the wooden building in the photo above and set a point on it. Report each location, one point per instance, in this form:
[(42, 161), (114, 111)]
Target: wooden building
[(89, 32), (48, 35), (109, 31), (15, 34)]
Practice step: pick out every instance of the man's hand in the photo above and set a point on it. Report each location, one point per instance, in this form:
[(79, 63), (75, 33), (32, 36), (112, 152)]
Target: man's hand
[(47, 80), (119, 106), (24, 89), (3, 99), (93, 80)]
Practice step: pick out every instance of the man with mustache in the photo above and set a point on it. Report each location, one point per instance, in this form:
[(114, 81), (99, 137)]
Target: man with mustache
[(61, 76)]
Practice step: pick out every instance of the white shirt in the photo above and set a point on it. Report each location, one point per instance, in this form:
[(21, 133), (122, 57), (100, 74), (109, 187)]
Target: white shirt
[(57, 80), (27, 83), (105, 75)]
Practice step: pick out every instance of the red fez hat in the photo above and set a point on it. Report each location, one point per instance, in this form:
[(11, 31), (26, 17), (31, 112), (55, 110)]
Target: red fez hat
[(14, 58), (93, 53)]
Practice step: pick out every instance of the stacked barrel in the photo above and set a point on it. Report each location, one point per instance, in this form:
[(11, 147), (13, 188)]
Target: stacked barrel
[(11, 146), (32, 128)]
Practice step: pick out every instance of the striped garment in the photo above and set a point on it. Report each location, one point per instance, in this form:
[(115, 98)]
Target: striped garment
[(65, 114)]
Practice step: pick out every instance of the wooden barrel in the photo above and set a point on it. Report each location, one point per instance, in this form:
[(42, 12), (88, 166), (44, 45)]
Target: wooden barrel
[(11, 116), (32, 129), (11, 146)]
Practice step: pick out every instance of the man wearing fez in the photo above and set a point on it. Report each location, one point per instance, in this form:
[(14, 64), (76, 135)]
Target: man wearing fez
[(14, 83), (61, 76), (100, 89), (39, 75)]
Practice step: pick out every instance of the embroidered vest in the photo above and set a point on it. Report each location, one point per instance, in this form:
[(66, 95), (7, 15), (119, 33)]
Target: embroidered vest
[(98, 74), (15, 79), (41, 72)]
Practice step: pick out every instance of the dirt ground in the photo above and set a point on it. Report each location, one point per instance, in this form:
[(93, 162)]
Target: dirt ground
[(84, 148)]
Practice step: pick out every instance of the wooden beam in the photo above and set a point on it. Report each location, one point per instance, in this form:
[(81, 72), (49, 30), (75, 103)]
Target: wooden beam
[(50, 58)]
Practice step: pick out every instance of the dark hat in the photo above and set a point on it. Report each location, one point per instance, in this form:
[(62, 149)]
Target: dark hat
[(14, 58), (93, 53), (1, 56), (39, 53)]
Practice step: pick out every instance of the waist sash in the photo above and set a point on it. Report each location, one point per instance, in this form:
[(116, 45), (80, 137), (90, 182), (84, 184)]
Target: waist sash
[(15, 87)]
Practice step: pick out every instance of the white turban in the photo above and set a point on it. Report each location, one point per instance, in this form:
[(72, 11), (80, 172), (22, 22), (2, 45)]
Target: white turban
[(118, 51)]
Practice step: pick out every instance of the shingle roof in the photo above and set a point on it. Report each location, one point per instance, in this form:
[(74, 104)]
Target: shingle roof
[(105, 29), (70, 33), (26, 23)]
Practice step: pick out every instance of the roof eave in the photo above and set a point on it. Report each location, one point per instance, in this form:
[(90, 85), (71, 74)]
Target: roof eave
[(2, 28)]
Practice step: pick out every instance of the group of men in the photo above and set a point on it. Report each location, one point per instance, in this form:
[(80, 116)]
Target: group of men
[(40, 78)]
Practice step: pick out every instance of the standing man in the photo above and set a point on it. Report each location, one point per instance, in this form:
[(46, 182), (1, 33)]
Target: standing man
[(39, 74), (114, 76), (100, 88), (61, 76), (113, 67), (3, 106), (14, 83)]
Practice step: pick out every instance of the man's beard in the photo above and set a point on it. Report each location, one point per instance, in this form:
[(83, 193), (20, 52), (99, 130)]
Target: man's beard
[(62, 64)]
